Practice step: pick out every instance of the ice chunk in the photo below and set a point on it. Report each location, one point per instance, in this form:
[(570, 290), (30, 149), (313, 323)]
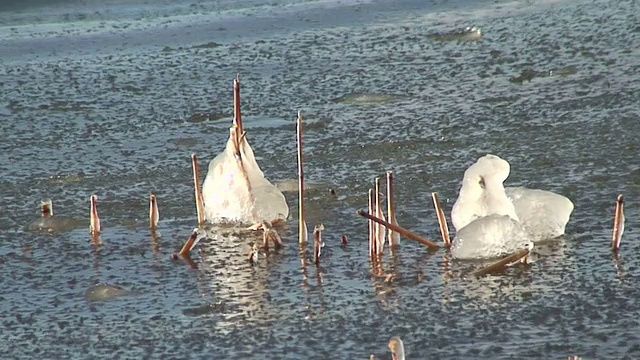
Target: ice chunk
[(235, 189), (543, 214), (489, 237), (103, 292), (54, 224), (482, 192), (491, 220)]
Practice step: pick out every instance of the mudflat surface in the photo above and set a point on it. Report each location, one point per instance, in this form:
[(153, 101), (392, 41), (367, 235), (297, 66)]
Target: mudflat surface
[(112, 97)]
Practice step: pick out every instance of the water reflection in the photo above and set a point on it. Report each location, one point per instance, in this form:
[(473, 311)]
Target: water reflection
[(447, 276), (312, 291), (187, 260), (548, 262), (155, 245), (618, 265), (303, 253), (383, 279), (96, 248), (226, 277)]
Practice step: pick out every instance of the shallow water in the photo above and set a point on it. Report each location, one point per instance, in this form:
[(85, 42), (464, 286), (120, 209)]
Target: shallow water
[(101, 97)]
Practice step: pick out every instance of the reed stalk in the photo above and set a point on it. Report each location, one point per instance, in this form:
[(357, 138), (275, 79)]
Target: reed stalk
[(302, 226), (442, 220), (196, 189), (402, 231), (502, 263), (154, 215), (618, 224)]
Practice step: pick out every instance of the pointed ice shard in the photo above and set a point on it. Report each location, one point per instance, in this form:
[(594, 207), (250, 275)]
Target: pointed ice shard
[(235, 189)]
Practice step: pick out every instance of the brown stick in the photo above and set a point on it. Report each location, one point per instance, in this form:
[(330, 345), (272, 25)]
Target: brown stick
[(269, 233), (442, 220), (46, 207), (397, 348), (154, 216), (501, 264), (197, 191), (190, 243), (237, 117), (239, 136), (380, 230), (402, 231), (237, 143), (618, 223), (302, 232), (372, 237), (391, 214), (245, 175), (94, 222)]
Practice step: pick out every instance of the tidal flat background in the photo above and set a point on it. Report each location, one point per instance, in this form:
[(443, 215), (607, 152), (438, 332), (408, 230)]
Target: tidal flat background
[(111, 97)]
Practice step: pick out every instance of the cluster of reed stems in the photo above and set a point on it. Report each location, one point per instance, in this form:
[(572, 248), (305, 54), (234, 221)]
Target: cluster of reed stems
[(397, 348), (95, 227), (378, 225), (382, 230), (302, 224)]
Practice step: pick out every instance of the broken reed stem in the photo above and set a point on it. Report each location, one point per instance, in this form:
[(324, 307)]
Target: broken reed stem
[(302, 233), (442, 220), (238, 135), (46, 207), (391, 214), (94, 219), (402, 231), (237, 117), (189, 244), (379, 230), (397, 348), (618, 224), (269, 233), (154, 216), (372, 243), (243, 171), (502, 263), (197, 191)]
